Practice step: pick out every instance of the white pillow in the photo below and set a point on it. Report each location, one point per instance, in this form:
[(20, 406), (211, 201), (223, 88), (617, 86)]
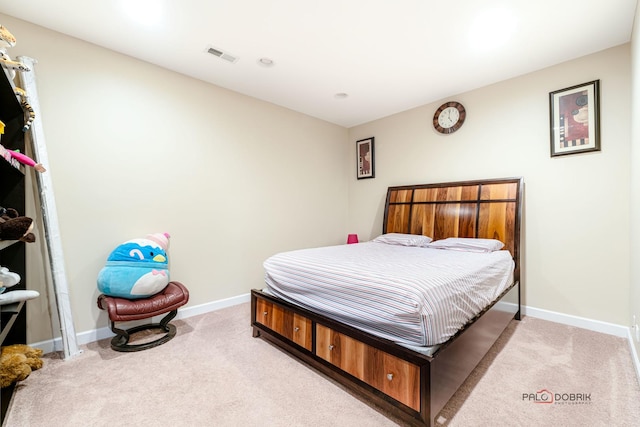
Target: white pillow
[(403, 239), (468, 244)]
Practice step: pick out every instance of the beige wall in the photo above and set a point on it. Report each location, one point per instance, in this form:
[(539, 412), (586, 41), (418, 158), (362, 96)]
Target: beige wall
[(576, 223), (634, 300), (136, 149)]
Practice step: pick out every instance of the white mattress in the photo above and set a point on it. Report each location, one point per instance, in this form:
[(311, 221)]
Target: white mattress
[(413, 296)]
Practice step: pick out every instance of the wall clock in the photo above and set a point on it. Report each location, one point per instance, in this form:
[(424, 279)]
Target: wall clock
[(449, 117)]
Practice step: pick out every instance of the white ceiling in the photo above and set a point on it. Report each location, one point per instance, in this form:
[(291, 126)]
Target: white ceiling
[(388, 56)]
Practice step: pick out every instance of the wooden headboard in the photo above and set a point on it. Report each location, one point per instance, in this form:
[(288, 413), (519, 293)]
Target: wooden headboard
[(483, 209)]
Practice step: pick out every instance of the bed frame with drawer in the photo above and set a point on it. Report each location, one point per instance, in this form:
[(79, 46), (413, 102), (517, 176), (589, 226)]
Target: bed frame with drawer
[(408, 384)]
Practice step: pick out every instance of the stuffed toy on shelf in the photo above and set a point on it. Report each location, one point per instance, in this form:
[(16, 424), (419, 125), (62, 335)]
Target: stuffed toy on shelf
[(25, 160), (16, 155), (15, 227), (8, 40), (18, 295), (9, 279)]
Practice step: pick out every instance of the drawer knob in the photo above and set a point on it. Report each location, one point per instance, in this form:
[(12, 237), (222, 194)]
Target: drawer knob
[(296, 329), (331, 347), (265, 313), (390, 377)]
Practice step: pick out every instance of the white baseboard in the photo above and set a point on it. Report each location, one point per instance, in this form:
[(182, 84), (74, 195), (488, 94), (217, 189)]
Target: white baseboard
[(634, 355), (579, 322), (102, 333), (213, 306)]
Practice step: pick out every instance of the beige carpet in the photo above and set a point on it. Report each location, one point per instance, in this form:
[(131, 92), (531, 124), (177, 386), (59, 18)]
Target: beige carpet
[(213, 373)]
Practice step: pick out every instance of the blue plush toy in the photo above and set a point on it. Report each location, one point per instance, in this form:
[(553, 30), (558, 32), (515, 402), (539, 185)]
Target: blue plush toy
[(137, 268)]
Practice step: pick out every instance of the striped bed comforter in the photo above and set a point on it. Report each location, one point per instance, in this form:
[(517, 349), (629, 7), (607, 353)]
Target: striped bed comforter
[(413, 296)]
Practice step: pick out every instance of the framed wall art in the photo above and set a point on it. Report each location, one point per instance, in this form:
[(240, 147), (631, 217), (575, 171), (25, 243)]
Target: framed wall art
[(575, 119), (366, 159)]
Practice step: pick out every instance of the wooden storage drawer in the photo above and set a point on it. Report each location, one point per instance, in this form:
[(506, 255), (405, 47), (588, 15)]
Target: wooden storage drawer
[(391, 375), (292, 326)]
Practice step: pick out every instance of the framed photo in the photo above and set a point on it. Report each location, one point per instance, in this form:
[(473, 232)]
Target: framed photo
[(575, 119), (366, 158)]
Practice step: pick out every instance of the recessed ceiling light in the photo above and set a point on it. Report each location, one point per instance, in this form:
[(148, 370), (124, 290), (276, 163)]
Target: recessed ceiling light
[(341, 95), (266, 62)]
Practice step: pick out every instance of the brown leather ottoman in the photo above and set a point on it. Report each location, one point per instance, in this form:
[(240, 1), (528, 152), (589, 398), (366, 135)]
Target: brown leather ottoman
[(174, 295)]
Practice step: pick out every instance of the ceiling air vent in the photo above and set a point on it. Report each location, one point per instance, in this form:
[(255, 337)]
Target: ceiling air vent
[(221, 54)]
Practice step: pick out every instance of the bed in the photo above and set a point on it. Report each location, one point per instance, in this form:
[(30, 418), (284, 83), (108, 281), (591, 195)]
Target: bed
[(409, 369)]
